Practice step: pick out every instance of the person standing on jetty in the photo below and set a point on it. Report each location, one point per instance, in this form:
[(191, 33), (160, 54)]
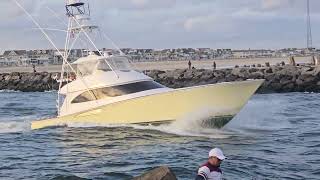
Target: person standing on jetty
[(211, 170), (214, 65), (34, 68), (189, 64)]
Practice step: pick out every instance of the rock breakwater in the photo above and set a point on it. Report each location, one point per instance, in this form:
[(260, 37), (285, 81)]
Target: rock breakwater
[(28, 82), (279, 79)]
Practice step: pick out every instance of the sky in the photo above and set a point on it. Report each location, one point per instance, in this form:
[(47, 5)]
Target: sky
[(159, 24)]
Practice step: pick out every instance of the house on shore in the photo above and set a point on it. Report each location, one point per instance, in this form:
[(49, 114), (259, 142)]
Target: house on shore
[(40, 57), (15, 58)]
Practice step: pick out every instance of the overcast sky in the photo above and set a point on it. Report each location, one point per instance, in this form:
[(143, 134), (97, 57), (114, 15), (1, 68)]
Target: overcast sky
[(236, 24)]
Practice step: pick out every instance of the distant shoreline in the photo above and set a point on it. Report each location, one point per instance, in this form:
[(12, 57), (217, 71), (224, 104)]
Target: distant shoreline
[(171, 65)]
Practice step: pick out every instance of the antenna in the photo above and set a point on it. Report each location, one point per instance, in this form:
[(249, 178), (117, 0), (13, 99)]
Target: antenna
[(309, 32)]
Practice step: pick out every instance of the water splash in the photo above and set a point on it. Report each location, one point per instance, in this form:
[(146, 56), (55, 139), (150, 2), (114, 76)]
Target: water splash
[(190, 125), (260, 115)]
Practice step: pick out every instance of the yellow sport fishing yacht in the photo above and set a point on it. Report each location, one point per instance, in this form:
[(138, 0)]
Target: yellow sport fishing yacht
[(108, 91)]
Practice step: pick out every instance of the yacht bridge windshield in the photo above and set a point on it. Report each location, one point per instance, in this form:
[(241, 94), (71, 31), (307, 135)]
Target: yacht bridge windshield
[(92, 65)]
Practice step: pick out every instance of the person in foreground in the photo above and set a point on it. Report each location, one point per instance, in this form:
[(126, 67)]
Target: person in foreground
[(211, 170)]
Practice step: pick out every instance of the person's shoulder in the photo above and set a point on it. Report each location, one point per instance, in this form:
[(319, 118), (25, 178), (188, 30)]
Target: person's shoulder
[(212, 168), (204, 171)]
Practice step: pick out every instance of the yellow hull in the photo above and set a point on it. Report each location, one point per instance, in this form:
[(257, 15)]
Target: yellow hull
[(173, 105)]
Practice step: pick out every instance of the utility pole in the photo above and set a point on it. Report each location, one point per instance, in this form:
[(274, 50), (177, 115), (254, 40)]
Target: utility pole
[(309, 32)]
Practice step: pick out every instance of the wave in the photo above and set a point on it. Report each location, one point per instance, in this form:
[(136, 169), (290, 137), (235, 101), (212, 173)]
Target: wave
[(51, 91), (14, 127), (9, 91)]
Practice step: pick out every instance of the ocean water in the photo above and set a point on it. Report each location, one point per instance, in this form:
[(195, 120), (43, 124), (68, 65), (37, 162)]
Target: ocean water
[(276, 136)]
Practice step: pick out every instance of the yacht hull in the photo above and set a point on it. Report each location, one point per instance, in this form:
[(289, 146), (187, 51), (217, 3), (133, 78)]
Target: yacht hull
[(213, 102)]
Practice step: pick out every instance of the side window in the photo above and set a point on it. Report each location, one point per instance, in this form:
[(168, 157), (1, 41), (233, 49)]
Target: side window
[(84, 97), (107, 92)]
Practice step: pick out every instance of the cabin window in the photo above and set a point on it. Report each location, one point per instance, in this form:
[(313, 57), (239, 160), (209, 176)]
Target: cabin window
[(114, 91), (84, 97)]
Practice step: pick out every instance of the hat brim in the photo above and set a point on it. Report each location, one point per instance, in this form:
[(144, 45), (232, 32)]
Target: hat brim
[(221, 157)]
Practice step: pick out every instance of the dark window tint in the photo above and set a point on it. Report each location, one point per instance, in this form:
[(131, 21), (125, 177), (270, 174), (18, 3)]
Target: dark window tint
[(114, 91), (84, 97)]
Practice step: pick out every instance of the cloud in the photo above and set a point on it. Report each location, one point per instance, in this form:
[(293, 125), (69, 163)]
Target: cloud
[(276, 4), (210, 23), (170, 23), (9, 10), (145, 5), (139, 2)]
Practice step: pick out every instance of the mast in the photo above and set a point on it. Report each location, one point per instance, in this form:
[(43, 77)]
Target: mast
[(79, 23)]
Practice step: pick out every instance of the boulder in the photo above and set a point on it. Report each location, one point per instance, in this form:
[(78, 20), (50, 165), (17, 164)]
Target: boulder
[(285, 81), (268, 70), (218, 74), (154, 73), (307, 70), (198, 73), (178, 73), (37, 78), (231, 78), (288, 70), (252, 70), (240, 72), (160, 173), (188, 74), (47, 79), (163, 75), (207, 75), (256, 75)]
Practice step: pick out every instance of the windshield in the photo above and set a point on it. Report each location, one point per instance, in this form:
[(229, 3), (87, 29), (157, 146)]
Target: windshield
[(86, 68), (120, 63)]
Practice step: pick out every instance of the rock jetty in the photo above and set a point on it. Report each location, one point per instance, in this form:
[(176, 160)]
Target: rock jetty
[(28, 82), (279, 79)]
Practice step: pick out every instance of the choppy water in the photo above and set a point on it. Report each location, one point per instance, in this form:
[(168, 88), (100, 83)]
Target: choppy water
[(276, 136)]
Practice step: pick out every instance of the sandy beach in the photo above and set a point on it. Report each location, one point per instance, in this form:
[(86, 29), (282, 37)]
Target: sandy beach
[(171, 65)]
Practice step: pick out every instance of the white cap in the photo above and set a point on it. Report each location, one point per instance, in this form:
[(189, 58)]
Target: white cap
[(216, 152)]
